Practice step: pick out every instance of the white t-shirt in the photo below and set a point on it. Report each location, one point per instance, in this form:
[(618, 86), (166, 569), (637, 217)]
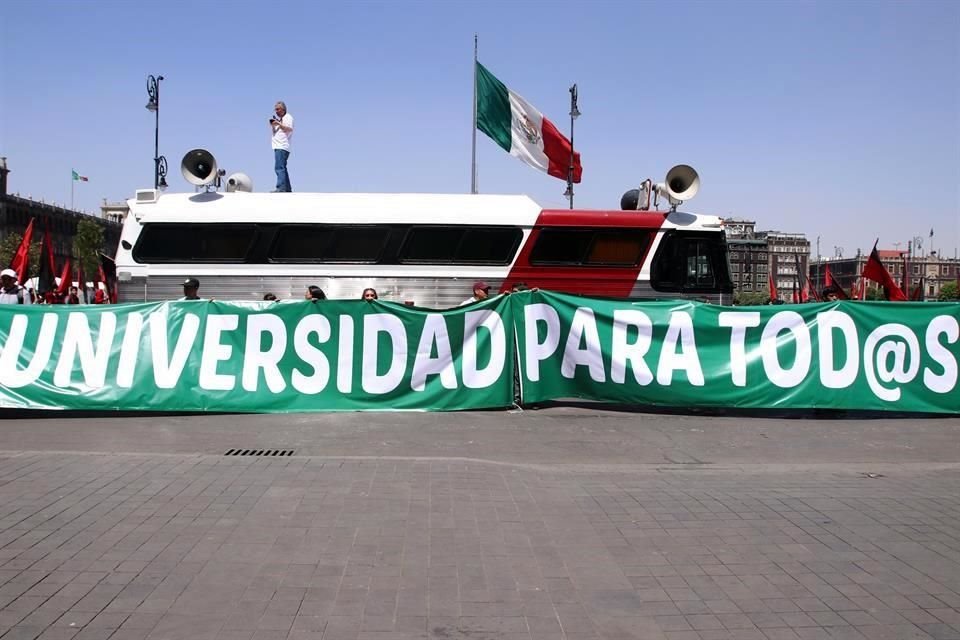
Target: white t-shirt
[(281, 139), (13, 295)]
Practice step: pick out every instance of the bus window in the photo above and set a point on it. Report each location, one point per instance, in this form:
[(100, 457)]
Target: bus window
[(460, 245), (357, 244), (160, 242), (328, 243), (489, 245), (618, 248), (590, 247), (304, 243), (431, 244), (561, 246), (694, 263)]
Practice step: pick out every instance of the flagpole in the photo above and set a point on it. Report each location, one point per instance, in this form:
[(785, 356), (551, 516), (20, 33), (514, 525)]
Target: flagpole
[(574, 114), (473, 127), (71, 190)]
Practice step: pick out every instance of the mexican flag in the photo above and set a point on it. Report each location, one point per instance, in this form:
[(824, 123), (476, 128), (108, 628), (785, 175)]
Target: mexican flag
[(517, 126), (79, 178)]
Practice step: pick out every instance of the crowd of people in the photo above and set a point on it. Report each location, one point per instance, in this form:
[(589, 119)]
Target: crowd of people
[(481, 291), (11, 292)]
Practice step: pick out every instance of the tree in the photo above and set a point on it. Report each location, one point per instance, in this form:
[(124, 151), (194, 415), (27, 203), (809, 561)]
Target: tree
[(87, 243), (744, 298), (8, 249), (875, 293), (949, 292)]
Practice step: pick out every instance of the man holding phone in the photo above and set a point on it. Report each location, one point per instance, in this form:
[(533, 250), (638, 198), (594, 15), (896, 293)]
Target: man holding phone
[(281, 123)]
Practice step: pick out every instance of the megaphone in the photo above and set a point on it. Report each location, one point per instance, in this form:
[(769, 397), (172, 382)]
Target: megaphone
[(682, 183), (239, 182), (199, 167)]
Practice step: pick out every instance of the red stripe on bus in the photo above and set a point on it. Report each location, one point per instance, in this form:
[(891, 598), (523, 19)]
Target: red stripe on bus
[(615, 282)]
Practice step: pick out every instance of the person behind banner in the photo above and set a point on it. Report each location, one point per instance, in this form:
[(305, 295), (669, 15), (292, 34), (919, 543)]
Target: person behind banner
[(190, 288), (73, 297), (481, 291), (10, 291), (369, 294), (314, 293), (281, 124), (829, 295)]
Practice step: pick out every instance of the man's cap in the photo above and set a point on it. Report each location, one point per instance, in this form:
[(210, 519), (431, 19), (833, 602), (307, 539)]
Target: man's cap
[(480, 284), (193, 283), (8, 272)]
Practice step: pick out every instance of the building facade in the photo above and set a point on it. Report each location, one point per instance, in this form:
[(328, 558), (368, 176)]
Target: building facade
[(920, 277), (755, 256), (16, 213)]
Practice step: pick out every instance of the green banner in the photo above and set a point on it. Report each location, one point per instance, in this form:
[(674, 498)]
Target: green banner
[(842, 355), (257, 357), (353, 355)]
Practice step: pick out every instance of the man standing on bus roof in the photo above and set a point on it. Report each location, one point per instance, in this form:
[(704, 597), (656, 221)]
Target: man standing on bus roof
[(282, 126)]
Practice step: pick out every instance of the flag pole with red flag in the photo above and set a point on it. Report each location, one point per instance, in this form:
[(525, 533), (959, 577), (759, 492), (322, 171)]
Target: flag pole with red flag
[(874, 270), (65, 279), (46, 280), (21, 259)]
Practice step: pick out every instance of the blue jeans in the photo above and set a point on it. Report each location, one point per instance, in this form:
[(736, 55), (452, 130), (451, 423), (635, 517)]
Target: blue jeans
[(280, 166)]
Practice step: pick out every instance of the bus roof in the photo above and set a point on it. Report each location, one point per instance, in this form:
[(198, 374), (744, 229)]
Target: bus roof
[(355, 208), (393, 208)]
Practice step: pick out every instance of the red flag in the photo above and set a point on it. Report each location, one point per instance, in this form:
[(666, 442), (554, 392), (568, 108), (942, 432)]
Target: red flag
[(874, 270), (46, 282), (65, 281), (82, 282), (21, 259), (917, 294), (108, 268), (827, 278), (805, 292), (773, 287)]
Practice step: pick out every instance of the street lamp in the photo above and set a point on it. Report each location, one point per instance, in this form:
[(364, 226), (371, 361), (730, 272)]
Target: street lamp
[(153, 91), (574, 114)]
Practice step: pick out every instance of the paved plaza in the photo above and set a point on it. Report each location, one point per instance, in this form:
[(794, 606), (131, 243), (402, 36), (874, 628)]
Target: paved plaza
[(565, 523)]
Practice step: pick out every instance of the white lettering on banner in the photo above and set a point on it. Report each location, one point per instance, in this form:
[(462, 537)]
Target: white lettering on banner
[(373, 325), (129, 350), (255, 358), (623, 352), (474, 378), (215, 351), (739, 322), (769, 341), (434, 334), (946, 381), (537, 351), (10, 376), (886, 359), (345, 355), (312, 356), (167, 368), (830, 376), (679, 332), (583, 327), (78, 343)]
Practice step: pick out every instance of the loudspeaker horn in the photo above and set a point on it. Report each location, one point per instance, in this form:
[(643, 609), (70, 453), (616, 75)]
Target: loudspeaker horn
[(239, 182), (199, 167), (682, 183)]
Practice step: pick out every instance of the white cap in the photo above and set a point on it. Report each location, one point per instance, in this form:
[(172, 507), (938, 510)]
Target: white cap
[(8, 272)]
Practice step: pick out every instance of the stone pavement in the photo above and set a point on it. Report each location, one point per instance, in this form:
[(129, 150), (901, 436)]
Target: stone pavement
[(131, 542)]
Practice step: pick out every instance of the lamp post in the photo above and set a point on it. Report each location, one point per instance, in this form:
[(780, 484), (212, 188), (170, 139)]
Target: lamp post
[(159, 162), (574, 114)]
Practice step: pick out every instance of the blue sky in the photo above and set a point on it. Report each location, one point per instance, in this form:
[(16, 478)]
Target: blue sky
[(839, 120)]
